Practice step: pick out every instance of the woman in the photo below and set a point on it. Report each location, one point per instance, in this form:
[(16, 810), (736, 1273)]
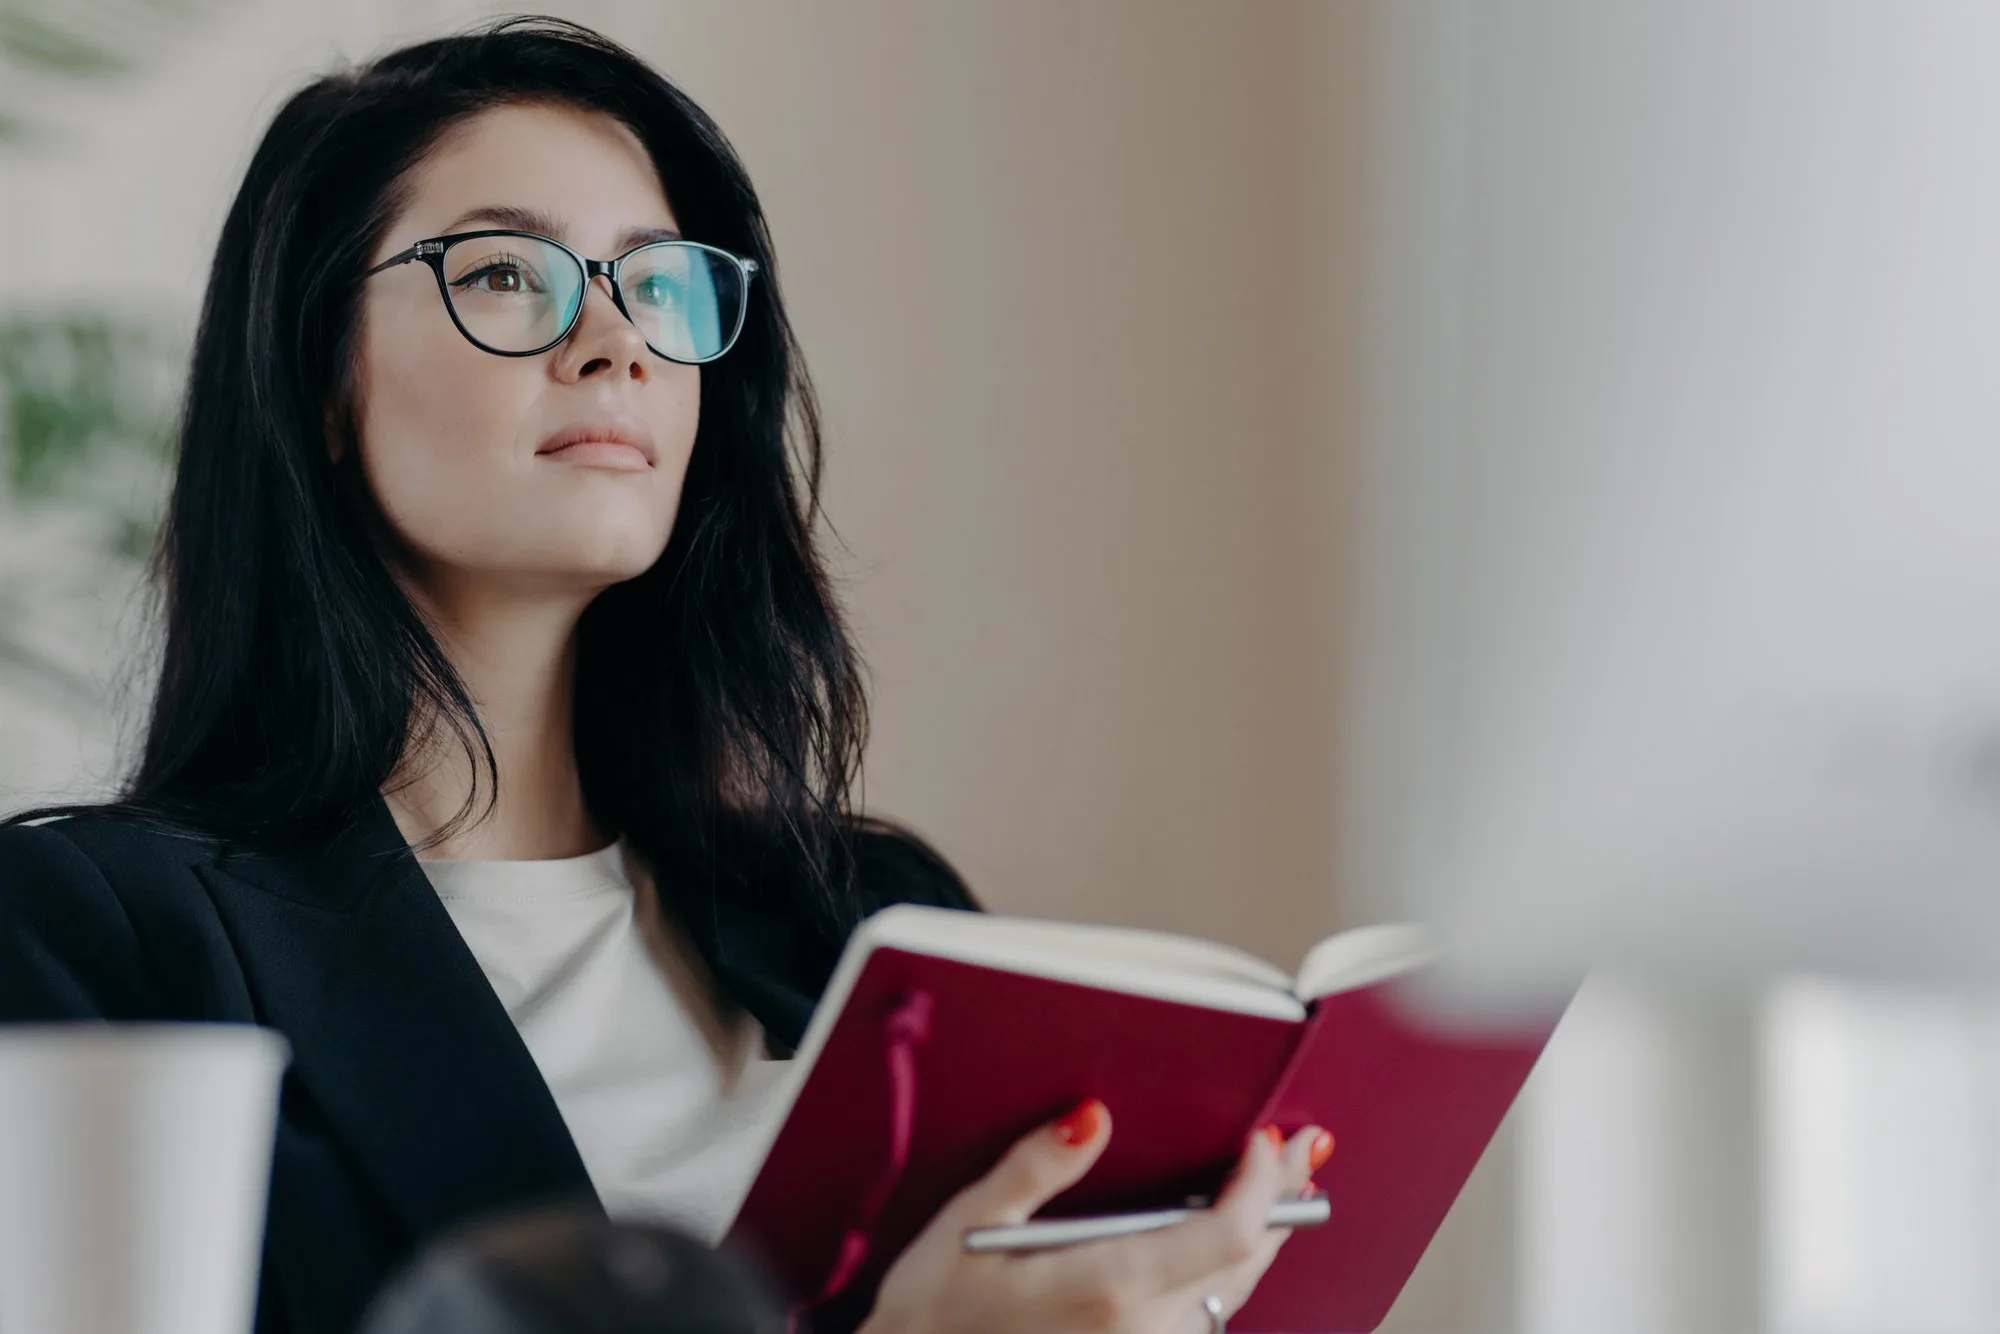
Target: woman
[(485, 545)]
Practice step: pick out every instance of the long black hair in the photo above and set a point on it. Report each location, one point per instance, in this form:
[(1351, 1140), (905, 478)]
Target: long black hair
[(718, 708)]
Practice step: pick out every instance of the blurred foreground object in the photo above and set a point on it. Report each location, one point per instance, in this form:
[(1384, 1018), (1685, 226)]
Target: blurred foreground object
[(135, 1161), (1680, 644), (567, 1272)]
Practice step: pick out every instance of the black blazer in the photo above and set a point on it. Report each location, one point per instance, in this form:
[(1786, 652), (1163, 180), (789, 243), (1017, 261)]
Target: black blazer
[(411, 1104)]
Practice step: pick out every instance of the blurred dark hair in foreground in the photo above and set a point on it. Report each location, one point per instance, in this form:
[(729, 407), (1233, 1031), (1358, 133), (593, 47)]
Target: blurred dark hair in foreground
[(568, 1272)]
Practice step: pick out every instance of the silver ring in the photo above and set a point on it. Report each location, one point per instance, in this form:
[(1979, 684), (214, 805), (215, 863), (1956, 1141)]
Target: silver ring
[(1212, 1305)]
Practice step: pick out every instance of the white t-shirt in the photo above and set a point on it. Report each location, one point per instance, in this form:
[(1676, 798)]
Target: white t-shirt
[(669, 1100)]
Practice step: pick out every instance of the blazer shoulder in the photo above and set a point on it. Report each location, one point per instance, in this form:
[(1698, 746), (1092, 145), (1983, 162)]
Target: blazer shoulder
[(128, 850), (113, 829), (79, 896)]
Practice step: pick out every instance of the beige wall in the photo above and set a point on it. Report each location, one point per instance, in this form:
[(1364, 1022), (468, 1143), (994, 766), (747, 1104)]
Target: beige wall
[(1071, 278)]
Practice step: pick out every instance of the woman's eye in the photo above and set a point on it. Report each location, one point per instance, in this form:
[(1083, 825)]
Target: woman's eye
[(501, 277), (656, 290)]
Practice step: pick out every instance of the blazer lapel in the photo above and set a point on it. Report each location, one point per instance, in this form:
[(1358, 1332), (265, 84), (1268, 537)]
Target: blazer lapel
[(395, 1032)]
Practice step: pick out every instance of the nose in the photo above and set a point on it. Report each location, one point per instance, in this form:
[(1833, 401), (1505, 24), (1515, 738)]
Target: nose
[(603, 342)]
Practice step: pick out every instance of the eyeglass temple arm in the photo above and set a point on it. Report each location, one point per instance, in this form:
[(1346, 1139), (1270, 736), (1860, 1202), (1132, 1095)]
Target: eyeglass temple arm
[(417, 251)]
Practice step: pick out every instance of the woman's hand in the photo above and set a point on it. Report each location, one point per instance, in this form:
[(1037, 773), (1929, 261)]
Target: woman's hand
[(1151, 1283)]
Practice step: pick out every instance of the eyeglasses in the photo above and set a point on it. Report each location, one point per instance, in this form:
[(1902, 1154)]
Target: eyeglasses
[(516, 294)]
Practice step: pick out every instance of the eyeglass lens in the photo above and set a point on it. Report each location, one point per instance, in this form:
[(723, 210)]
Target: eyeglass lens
[(519, 293)]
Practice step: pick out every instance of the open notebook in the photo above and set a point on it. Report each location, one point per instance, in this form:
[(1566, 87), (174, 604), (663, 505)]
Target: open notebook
[(944, 1036)]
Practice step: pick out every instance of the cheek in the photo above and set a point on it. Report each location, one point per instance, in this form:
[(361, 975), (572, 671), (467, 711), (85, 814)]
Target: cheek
[(437, 429)]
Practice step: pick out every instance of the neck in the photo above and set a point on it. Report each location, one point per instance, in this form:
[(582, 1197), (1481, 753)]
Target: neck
[(516, 656)]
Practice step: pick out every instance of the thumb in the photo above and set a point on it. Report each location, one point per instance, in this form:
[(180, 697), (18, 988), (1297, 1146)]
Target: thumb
[(1042, 1165)]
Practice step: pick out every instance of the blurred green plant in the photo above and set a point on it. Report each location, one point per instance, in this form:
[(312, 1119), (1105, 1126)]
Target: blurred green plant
[(75, 40), (86, 415), (86, 394), (86, 422)]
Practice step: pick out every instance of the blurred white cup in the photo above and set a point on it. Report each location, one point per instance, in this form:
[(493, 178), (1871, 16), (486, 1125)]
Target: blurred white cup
[(135, 1161)]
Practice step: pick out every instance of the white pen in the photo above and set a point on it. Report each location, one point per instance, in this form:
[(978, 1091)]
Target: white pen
[(1038, 1235)]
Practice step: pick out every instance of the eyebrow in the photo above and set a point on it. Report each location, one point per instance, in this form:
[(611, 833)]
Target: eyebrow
[(515, 218)]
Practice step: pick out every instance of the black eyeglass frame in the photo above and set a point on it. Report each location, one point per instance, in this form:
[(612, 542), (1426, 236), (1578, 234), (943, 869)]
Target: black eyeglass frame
[(432, 251)]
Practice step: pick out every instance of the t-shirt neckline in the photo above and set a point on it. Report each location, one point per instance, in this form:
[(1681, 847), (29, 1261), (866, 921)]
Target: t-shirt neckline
[(585, 875)]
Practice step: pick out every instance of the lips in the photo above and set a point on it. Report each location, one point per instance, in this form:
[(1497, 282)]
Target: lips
[(605, 443)]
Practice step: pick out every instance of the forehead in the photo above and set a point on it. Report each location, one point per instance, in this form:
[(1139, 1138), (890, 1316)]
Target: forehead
[(586, 173)]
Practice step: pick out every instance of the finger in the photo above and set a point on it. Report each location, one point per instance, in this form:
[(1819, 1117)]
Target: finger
[(1305, 1153), (1042, 1164), (1225, 1236)]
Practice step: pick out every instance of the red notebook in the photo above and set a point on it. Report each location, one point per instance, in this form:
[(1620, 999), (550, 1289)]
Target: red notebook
[(945, 1036)]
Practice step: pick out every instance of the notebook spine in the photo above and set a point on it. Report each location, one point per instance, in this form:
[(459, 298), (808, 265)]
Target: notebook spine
[(1274, 1101)]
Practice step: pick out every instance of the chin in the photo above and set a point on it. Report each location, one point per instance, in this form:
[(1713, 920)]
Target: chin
[(607, 551), (617, 568), (619, 574)]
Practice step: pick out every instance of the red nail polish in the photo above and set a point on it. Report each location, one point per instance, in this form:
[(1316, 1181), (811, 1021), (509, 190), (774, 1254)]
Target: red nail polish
[(1277, 1140), (1081, 1123), (1322, 1149)]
